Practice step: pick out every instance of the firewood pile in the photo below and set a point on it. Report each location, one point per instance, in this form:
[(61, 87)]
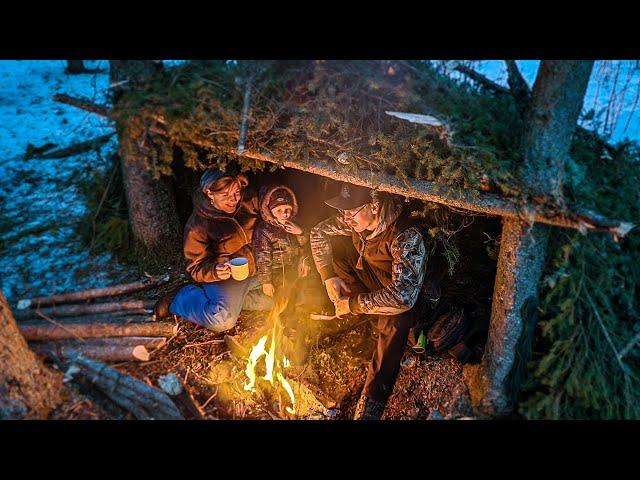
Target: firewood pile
[(80, 334), (112, 331)]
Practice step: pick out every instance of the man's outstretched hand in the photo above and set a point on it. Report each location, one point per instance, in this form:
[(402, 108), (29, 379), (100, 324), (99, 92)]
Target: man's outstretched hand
[(336, 288)]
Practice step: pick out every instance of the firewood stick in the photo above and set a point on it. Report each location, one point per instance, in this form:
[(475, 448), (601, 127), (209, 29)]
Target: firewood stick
[(144, 401), (41, 331), (148, 342), (111, 291), (128, 306), (97, 351), (121, 318)]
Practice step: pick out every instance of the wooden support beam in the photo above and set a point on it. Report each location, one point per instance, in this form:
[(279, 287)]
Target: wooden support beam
[(464, 199)]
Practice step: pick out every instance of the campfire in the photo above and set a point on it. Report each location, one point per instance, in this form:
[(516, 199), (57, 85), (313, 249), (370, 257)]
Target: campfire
[(275, 361)]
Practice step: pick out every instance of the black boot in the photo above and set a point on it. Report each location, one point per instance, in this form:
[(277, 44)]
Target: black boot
[(161, 308), (368, 409)]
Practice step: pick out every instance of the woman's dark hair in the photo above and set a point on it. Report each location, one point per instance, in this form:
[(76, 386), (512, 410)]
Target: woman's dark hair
[(225, 182)]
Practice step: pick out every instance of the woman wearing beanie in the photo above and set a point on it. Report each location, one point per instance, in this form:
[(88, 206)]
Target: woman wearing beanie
[(219, 229)]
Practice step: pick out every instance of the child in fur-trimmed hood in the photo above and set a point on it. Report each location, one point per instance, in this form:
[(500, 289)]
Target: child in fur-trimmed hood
[(278, 240)]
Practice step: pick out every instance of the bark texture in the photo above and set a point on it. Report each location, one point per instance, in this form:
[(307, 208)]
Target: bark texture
[(557, 98), (27, 388), (151, 202), (556, 102)]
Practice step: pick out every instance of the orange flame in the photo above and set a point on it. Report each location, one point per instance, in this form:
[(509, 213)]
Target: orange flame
[(272, 366)]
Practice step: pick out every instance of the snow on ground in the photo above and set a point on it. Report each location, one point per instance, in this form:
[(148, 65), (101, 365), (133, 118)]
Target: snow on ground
[(39, 251)]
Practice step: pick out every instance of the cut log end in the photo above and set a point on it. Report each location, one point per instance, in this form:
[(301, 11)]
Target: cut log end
[(140, 353)]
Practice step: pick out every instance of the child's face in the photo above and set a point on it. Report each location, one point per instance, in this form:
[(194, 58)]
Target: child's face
[(282, 213)]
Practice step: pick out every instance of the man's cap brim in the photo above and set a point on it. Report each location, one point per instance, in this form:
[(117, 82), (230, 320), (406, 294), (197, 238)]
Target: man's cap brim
[(341, 203)]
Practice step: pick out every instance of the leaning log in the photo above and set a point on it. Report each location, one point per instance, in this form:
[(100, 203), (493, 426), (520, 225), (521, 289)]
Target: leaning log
[(41, 331), (93, 293), (98, 350), (143, 401), (465, 199), (128, 306)]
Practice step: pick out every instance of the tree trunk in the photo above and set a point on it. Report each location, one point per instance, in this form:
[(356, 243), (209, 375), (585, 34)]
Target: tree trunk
[(27, 388), (151, 201), (556, 102), (557, 98)]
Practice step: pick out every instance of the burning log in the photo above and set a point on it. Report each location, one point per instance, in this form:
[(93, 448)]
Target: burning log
[(112, 291), (143, 401), (42, 331), (97, 349), (128, 306)]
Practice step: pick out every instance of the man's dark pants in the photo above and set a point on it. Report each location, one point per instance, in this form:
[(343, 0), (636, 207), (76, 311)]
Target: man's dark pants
[(393, 329)]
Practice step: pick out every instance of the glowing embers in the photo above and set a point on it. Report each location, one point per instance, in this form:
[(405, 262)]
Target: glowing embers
[(274, 367)]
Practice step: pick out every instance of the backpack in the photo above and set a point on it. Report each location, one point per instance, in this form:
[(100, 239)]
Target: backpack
[(449, 333)]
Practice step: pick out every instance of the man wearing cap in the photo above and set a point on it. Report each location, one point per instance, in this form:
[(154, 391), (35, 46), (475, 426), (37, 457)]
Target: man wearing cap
[(381, 273), (219, 229)]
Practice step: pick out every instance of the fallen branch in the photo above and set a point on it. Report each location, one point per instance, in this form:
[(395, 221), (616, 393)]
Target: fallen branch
[(76, 148), (81, 103), (41, 331), (128, 306), (93, 293), (143, 401)]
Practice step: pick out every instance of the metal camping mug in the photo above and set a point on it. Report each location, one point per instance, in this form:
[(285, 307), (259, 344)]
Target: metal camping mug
[(239, 268)]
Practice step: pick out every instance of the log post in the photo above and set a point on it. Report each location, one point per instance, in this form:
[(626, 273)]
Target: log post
[(556, 102), (151, 201)]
